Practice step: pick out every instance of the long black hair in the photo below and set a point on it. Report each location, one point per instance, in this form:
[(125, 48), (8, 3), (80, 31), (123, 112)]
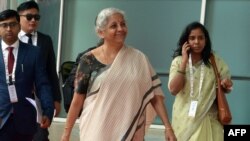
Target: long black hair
[(184, 37)]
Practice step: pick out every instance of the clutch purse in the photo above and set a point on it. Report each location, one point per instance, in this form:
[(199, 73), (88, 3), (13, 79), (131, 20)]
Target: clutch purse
[(224, 113)]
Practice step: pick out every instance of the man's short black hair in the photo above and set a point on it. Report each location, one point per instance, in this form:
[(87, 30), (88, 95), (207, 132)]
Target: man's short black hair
[(27, 5), (6, 14)]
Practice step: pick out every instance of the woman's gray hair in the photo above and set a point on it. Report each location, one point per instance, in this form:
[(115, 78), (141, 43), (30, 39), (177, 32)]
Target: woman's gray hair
[(102, 17)]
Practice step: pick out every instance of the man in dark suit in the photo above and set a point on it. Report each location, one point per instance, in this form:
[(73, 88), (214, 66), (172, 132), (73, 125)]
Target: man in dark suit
[(29, 20), (21, 68)]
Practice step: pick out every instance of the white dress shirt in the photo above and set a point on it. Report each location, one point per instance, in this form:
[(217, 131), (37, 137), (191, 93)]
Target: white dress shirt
[(22, 36)]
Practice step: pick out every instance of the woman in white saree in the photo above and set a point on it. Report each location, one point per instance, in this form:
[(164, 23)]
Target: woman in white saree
[(116, 87), (193, 82)]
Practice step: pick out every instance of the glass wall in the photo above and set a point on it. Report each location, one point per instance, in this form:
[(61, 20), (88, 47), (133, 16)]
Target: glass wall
[(228, 24)]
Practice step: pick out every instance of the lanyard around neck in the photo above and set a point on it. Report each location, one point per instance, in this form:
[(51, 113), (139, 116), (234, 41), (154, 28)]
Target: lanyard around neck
[(192, 77)]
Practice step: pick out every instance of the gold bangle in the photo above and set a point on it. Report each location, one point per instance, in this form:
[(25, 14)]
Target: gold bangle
[(181, 72), (169, 128), (67, 128)]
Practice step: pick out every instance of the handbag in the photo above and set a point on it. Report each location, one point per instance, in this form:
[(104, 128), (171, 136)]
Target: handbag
[(224, 113)]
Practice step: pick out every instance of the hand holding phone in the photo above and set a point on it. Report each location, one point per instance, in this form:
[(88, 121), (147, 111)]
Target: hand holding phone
[(185, 52), (186, 49)]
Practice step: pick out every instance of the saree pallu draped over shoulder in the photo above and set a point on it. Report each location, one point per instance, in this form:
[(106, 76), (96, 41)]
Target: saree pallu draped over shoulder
[(118, 108)]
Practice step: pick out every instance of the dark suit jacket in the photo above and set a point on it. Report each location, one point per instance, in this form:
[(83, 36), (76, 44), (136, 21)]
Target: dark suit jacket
[(30, 71), (46, 45)]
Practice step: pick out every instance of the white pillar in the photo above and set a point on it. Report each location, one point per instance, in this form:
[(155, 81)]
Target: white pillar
[(59, 47), (203, 12)]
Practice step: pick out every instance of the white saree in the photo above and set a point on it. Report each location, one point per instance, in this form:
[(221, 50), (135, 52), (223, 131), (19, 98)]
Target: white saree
[(115, 108)]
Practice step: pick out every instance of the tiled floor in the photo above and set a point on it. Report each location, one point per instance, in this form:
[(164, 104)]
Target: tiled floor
[(57, 127)]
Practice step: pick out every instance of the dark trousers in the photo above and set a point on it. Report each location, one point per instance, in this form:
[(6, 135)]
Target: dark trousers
[(9, 133), (41, 134)]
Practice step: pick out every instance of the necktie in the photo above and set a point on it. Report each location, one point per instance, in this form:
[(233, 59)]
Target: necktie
[(11, 59), (30, 39)]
